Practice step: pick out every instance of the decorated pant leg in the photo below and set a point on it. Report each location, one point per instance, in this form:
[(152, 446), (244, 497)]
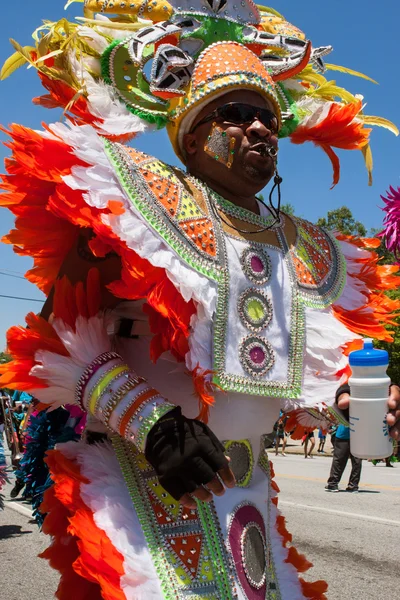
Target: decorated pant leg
[(152, 548)]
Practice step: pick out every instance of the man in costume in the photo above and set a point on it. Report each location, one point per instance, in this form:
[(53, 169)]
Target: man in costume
[(154, 274)]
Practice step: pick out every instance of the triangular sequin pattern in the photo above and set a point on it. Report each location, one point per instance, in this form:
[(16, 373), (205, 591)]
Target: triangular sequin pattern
[(166, 192), (188, 209), (137, 156), (318, 261), (160, 169), (201, 233), (187, 548)]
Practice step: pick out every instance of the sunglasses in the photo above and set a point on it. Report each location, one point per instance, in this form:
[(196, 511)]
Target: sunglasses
[(241, 114)]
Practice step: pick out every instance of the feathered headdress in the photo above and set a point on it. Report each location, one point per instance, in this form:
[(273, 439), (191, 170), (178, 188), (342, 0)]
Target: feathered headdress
[(155, 63)]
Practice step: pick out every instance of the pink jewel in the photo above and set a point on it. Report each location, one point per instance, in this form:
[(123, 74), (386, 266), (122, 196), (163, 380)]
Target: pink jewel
[(257, 355), (256, 264)]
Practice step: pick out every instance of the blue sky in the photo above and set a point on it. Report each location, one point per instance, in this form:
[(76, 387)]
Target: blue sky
[(364, 38)]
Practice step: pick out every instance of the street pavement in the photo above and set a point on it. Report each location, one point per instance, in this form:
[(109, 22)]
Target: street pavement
[(352, 539)]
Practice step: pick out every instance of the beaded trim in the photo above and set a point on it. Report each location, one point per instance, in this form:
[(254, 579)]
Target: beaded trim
[(158, 411), (244, 215), (316, 248), (273, 592), (90, 370), (113, 402), (103, 386), (245, 448), (270, 580), (199, 568), (255, 584), (256, 265), (256, 355)]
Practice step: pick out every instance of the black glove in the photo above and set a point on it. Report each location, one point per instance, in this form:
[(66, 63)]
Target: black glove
[(184, 453)]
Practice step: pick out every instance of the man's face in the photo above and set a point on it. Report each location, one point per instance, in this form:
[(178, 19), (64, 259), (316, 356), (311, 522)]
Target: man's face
[(252, 167)]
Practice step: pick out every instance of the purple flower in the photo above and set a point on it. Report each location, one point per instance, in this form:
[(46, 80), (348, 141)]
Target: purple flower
[(391, 222)]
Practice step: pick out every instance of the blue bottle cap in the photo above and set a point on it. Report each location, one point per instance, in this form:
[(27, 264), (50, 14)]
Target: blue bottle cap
[(369, 356)]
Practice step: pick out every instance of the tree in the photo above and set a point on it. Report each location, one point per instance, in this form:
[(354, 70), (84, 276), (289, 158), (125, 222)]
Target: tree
[(341, 219), (288, 209)]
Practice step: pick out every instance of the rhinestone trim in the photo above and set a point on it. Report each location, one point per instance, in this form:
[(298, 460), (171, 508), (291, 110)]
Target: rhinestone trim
[(249, 255), (251, 348), (246, 302)]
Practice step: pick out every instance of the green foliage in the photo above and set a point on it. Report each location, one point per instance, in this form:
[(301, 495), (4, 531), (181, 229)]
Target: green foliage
[(341, 219), (288, 209), (4, 358)]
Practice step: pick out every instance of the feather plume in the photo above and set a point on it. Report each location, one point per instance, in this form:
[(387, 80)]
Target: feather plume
[(391, 231)]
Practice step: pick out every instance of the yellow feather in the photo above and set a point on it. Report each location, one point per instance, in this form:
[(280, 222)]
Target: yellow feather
[(72, 2), (50, 55), (349, 72), (330, 91), (13, 63), (380, 122), (22, 50), (267, 9), (114, 25), (369, 162)]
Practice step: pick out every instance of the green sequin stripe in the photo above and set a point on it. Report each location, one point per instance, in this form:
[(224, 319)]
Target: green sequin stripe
[(213, 534), (148, 422), (241, 213), (165, 231), (127, 455), (292, 388), (165, 572)]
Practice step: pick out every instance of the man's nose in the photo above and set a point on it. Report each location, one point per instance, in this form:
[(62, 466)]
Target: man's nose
[(259, 130)]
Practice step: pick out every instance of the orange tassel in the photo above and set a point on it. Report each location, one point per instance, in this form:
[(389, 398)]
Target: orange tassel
[(315, 590), (298, 560), (203, 389)]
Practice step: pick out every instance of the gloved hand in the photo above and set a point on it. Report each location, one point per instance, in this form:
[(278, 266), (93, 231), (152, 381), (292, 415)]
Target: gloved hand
[(186, 456)]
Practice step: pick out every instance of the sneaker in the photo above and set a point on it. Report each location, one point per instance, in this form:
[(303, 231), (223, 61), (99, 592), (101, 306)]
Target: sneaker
[(331, 488), (283, 454), (352, 489)]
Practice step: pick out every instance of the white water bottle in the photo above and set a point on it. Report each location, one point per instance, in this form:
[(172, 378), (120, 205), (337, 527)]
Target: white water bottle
[(369, 393)]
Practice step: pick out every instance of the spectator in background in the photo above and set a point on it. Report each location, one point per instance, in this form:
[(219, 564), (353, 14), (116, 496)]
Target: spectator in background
[(341, 454), (280, 434), (332, 432), (309, 439), (322, 440)]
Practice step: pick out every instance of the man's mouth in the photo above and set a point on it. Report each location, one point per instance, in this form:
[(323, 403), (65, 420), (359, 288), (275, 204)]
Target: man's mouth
[(264, 149)]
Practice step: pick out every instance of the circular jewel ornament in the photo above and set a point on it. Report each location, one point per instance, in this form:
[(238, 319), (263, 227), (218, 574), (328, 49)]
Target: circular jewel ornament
[(255, 309), (256, 355), (248, 544), (256, 265)]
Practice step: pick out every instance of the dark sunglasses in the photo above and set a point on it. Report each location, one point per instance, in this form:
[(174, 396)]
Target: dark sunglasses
[(239, 114)]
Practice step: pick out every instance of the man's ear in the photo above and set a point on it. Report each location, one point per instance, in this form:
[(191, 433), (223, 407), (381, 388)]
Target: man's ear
[(190, 143)]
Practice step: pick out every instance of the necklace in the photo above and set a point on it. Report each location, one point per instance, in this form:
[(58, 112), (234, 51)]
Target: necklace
[(270, 222)]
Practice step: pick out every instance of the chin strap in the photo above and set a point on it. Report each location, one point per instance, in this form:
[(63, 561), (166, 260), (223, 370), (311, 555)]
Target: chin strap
[(277, 185)]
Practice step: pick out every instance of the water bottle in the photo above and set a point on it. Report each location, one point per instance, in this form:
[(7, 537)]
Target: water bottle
[(369, 393)]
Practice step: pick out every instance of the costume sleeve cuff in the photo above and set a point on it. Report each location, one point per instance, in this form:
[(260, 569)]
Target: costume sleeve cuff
[(126, 403)]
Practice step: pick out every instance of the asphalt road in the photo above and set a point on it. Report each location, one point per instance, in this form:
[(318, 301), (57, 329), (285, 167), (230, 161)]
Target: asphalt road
[(352, 539)]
